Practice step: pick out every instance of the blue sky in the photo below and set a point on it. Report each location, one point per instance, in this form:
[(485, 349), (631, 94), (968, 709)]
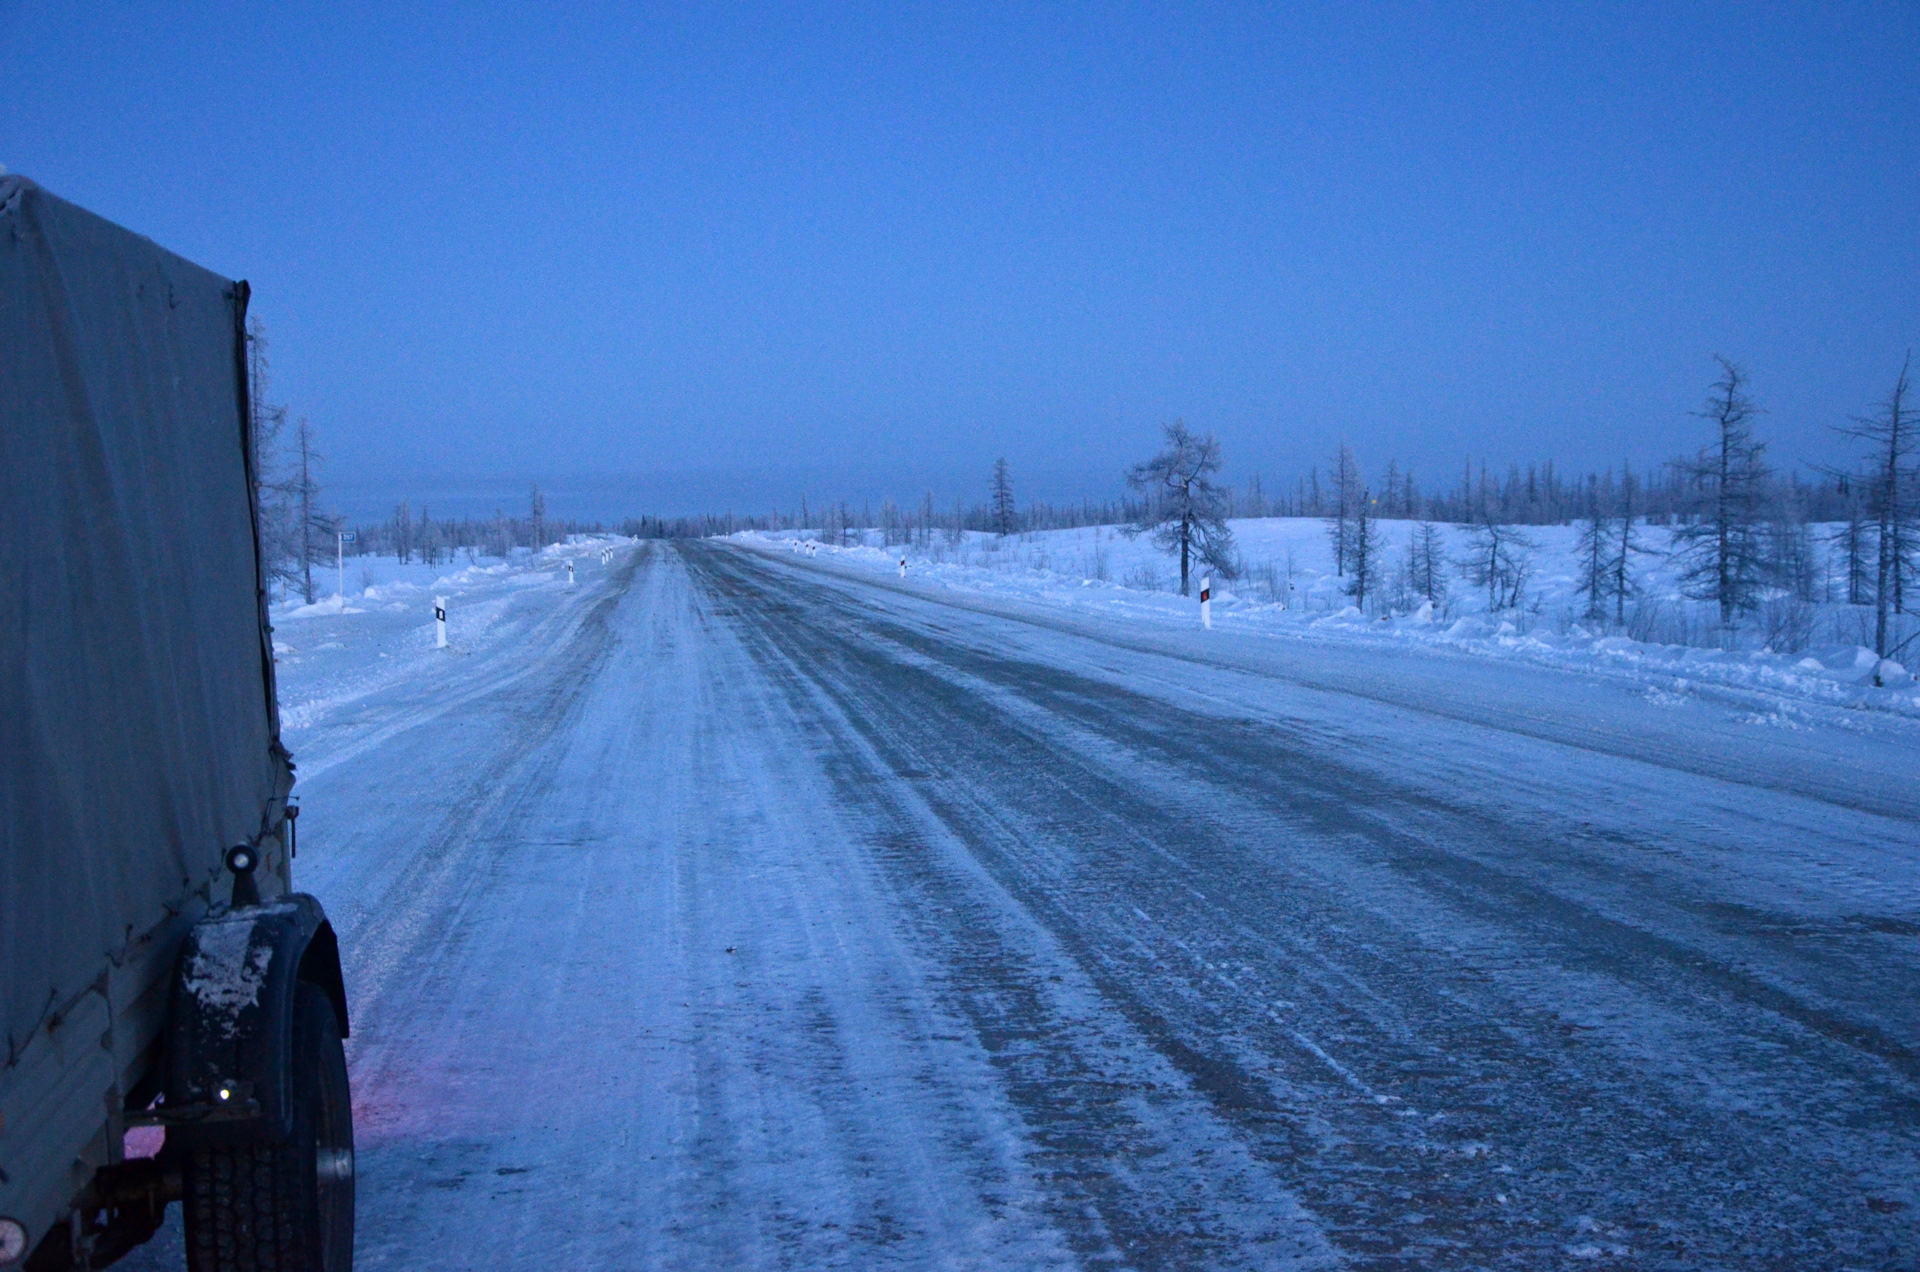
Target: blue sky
[(716, 256)]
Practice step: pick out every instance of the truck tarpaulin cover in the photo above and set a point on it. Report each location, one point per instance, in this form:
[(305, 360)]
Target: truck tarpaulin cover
[(138, 738)]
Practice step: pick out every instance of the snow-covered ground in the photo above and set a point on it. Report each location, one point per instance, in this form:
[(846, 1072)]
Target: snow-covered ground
[(1794, 666), (741, 908), (340, 657)]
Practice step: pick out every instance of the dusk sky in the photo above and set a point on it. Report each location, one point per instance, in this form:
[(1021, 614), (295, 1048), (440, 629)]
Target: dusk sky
[(685, 258)]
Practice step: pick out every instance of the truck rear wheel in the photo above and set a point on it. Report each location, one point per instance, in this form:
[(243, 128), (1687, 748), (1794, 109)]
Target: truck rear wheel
[(283, 1205)]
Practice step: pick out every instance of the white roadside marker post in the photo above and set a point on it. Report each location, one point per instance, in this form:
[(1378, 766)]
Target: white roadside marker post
[(440, 622), (569, 574), (1206, 602), (341, 540), (903, 567)]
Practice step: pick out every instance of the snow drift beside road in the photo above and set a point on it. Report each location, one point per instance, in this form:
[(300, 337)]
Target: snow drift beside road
[(1294, 593), (334, 654)]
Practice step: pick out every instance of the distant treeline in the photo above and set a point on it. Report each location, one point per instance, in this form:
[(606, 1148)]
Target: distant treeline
[(410, 536), (1533, 494), (843, 521)]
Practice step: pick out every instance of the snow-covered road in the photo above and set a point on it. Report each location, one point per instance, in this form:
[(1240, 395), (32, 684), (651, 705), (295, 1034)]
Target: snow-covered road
[(762, 915)]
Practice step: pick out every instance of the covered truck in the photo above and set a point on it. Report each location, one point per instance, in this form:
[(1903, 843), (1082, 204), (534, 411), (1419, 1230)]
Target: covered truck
[(160, 979)]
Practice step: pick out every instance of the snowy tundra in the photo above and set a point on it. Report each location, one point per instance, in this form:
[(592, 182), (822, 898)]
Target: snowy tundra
[(1788, 654)]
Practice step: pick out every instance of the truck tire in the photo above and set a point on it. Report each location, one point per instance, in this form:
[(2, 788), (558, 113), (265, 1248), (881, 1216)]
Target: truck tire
[(283, 1205)]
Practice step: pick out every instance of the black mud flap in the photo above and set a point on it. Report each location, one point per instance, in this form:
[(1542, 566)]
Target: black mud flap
[(229, 1071)]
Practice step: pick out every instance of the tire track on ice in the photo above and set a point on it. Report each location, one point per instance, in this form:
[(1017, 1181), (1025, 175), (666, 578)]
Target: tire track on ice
[(1085, 810)]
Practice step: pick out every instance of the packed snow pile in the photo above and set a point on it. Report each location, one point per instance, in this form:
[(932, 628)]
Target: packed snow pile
[(1797, 652)]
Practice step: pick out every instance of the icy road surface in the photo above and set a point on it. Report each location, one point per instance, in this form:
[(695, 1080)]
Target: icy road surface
[(747, 914)]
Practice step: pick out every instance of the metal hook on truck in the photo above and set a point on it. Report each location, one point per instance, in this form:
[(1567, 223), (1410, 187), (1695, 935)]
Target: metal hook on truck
[(158, 969)]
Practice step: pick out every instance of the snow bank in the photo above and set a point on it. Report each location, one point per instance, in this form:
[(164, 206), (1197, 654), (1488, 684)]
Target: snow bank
[(1291, 590), (337, 652)]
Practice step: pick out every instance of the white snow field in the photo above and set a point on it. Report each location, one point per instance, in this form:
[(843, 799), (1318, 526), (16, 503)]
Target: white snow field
[(743, 909), (1789, 655)]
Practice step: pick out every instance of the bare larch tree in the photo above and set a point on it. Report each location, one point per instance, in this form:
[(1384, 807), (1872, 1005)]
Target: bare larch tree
[(1427, 563), (1893, 434), (312, 527), (1854, 539), (1721, 553), (1005, 518), (273, 505), (1366, 552), (1185, 511), (1500, 559), (1346, 490), (1626, 547), (1593, 558), (403, 532)]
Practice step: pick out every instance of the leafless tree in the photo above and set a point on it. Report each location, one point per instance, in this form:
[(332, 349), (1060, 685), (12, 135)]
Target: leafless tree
[(1365, 552), (1593, 556), (1791, 563), (1005, 518), (1626, 547), (273, 504), (1346, 490), (313, 527), (1720, 553), (1184, 510), (403, 532), (1500, 559), (1427, 563), (430, 538), (1854, 539), (1891, 436)]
